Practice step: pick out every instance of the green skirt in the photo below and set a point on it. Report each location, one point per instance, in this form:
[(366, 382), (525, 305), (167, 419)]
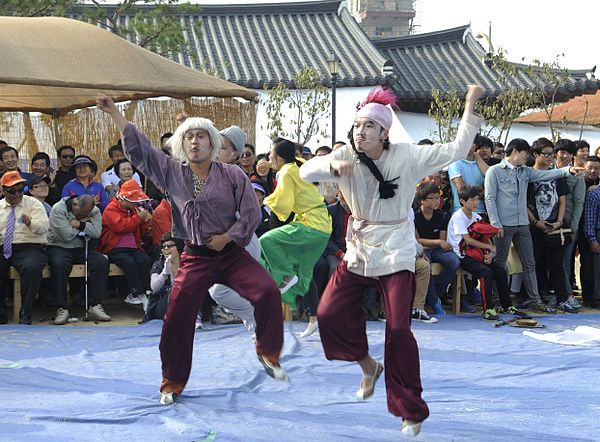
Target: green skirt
[(292, 249)]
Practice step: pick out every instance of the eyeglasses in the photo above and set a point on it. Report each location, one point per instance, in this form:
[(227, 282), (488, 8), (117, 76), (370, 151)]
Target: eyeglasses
[(67, 156), (246, 154), (547, 154), (168, 245), (14, 191)]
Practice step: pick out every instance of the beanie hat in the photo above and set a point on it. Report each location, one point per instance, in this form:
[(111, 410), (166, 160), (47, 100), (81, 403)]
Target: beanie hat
[(236, 135)]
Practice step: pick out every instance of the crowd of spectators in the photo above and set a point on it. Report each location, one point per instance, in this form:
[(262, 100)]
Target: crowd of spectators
[(542, 198)]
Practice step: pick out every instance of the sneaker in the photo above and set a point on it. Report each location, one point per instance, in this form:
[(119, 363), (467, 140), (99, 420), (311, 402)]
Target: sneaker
[(133, 299), (97, 313), (167, 397), (567, 308), (62, 316), (422, 316), (222, 316), (541, 308), (273, 370), (287, 284), (410, 428), (573, 302), (466, 307), (438, 310), (490, 315), (512, 310), (381, 316), (310, 329)]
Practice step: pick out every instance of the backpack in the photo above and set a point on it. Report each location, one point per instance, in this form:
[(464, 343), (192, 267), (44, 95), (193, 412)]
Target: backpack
[(482, 232)]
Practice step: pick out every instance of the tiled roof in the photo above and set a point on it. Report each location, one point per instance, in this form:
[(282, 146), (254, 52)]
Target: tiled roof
[(256, 44), (580, 110), (451, 59)]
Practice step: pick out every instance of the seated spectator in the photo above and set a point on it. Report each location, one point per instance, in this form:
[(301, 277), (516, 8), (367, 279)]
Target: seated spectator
[(247, 159), (162, 222), (307, 153), (337, 145), (546, 203), (40, 166), (487, 270), (164, 145), (124, 170), (110, 179), (263, 172), (38, 188), (64, 174), (431, 227), (260, 192), (234, 139), (75, 221), (83, 184), (162, 275), (323, 150), (10, 159), (23, 228), (422, 281), (123, 224)]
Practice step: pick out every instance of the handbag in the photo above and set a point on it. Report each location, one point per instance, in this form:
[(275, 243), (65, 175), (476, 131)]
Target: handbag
[(481, 231)]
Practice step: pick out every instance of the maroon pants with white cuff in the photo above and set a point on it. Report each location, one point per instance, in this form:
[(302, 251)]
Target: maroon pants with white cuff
[(236, 269), (342, 325)]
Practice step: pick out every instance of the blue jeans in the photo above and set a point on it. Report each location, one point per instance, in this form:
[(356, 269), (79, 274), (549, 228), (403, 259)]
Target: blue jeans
[(450, 263)]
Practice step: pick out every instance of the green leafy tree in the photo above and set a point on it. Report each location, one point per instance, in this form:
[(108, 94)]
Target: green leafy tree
[(308, 104), (154, 24), (445, 109)]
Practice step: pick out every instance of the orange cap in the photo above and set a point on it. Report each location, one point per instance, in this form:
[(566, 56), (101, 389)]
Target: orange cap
[(11, 178), (131, 191)]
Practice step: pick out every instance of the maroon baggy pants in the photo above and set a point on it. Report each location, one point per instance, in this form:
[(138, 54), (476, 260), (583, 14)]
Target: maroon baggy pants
[(235, 269), (342, 325)]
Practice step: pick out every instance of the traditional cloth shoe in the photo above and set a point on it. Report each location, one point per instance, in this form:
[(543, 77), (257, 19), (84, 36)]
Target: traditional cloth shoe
[(97, 313), (273, 370), (288, 284), (364, 394), (410, 428), (62, 316), (310, 329), (167, 397)]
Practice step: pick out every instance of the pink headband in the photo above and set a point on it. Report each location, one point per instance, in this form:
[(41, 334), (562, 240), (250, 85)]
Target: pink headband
[(375, 107)]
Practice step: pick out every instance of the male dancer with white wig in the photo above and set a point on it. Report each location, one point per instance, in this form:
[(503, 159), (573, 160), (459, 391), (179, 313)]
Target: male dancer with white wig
[(378, 181), (215, 211)]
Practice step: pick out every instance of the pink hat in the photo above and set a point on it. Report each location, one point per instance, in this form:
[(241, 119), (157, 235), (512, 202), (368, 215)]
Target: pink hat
[(375, 107)]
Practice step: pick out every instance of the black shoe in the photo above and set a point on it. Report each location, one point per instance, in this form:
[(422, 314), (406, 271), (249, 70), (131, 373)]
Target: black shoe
[(381, 316), (24, 318)]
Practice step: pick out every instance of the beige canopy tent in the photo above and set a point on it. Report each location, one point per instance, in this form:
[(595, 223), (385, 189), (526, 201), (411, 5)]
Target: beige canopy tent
[(54, 65)]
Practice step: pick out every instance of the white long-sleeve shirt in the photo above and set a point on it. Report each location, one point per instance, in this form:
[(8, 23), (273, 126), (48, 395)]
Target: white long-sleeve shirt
[(380, 237)]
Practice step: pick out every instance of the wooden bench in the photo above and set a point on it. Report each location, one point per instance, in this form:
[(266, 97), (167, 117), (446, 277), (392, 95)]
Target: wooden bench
[(78, 271)]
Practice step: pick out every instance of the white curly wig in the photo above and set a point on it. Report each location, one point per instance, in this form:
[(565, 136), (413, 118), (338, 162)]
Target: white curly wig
[(176, 141)]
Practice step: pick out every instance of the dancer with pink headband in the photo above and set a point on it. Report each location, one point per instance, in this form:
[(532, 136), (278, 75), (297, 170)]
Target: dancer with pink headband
[(378, 179)]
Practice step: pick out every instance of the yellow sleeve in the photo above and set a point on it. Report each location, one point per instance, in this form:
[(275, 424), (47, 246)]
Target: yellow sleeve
[(281, 201)]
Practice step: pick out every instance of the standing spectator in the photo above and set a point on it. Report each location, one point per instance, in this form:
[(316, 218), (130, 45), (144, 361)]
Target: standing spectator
[(247, 159), (586, 257), (484, 150), (72, 220), (64, 174), (23, 228), (487, 270), (85, 169), (323, 150), (547, 202), (124, 170), (307, 153), (498, 151), (564, 153), (110, 179), (260, 192), (10, 159), (581, 153), (40, 166), (506, 201), (234, 139), (592, 234), (263, 173), (124, 222), (471, 172), (431, 227)]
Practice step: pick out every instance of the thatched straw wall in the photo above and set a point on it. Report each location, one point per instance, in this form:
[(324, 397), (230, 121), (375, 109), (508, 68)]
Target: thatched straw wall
[(92, 132)]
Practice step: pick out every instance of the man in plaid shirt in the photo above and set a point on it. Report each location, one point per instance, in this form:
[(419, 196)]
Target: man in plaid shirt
[(592, 233)]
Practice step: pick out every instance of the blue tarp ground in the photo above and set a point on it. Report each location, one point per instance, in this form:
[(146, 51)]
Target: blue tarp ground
[(481, 384)]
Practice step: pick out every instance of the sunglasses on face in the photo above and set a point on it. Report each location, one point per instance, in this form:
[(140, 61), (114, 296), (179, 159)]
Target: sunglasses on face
[(67, 156), (15, 190), (168, 245)]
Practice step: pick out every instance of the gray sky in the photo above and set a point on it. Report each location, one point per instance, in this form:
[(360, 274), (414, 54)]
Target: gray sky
[(526, 28)]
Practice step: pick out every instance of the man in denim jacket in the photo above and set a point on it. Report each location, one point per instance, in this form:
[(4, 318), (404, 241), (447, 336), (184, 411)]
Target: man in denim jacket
[(506, 202)]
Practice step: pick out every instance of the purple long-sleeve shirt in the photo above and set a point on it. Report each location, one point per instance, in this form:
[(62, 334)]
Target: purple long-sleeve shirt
[(227, 202)]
